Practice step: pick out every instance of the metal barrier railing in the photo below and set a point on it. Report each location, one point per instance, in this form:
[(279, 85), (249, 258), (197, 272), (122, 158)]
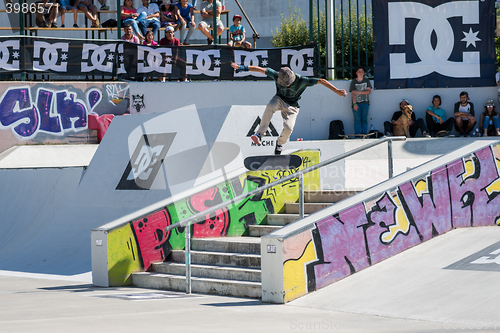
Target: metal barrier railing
[(193, 219)]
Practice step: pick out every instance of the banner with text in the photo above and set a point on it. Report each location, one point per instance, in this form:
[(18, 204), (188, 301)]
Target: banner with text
[(37, 55), (433, 43)]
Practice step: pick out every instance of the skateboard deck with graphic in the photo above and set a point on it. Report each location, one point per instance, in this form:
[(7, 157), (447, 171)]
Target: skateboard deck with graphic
[(362, 136), (272, 162)]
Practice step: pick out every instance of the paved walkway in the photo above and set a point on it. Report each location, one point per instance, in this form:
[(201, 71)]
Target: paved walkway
[(432, 287)]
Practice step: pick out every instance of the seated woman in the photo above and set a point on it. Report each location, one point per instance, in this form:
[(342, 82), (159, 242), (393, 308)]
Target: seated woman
[(169, 15), (489, 124), (129, 16), (150, 39), (435, 118)]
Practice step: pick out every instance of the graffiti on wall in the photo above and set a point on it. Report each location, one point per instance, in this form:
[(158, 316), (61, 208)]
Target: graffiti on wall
[(56, 110), (462, 193), (152, 244)]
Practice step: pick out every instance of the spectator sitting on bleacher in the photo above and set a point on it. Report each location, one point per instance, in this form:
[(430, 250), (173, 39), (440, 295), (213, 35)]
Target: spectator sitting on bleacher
[(103, 5), (175, 60), (152, 17), (47, 16), (186, 19), (64, 6), (129, 16), (150, 39), (169, 15), (129, 36), (88, 8), (207, 14), (237, 34)]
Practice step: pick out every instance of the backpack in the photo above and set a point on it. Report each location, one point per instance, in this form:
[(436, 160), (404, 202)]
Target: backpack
[(336, 130), (377, 135), (111, 23)]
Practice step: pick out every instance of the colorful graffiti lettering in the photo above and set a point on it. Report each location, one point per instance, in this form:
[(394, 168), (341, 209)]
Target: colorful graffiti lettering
[(56, 111), (152, 245), (460, 194)]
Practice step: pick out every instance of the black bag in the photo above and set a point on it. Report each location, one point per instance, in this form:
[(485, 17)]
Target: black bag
[(377, 135), (336, 130), (111, 23)]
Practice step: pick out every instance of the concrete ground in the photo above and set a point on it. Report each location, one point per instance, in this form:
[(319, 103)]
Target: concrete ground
[(433, 287)]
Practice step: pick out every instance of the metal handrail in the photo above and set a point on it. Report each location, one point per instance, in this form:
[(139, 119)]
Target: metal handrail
[(192, 219)]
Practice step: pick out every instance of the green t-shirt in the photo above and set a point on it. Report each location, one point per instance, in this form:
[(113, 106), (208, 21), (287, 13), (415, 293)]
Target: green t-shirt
[(291, 94), (440, 112)]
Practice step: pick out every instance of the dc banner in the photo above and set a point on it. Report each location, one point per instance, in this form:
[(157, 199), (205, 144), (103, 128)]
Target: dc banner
[(433, 43), (131, 61)]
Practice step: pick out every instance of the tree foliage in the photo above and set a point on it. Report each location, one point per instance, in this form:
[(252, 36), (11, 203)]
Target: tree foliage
[(353, 37)]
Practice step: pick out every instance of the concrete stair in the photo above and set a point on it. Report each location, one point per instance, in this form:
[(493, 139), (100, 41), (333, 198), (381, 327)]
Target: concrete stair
[(222, 266), (231, 265)]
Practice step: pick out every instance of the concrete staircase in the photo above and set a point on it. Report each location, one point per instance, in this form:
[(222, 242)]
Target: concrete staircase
[(231, 265)]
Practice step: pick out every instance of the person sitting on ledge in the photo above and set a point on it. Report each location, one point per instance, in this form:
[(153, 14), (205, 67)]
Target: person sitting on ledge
[(415, 124)]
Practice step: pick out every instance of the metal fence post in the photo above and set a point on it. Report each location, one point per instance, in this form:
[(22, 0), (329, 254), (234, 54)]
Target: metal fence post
[(389, 156), (187, 254), (301, 195)]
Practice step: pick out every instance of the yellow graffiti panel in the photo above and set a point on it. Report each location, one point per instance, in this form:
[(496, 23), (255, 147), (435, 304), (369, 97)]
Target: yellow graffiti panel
[(289, 191), (401, 225), (421, 187), (294, 273), (469, 169), (123, 256), (494, 186)]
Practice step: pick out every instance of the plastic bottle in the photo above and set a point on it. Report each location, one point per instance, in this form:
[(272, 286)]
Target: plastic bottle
[(477, 132), (372, 128)]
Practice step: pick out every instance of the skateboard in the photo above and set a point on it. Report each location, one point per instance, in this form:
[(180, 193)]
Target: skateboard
[(272, 162), (442, 134), (362, 136)]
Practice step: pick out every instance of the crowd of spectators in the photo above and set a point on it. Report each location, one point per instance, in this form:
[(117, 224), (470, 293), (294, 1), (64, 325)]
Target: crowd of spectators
[(151, 15)]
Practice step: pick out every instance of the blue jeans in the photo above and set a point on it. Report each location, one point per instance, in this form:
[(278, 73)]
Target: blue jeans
[(145, 24), (194, 3), (361, 118), (134, 23), (486, 122)]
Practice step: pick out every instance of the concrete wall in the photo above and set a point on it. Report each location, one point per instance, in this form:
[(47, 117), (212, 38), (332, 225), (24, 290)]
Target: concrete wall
[(121, 248), (319, 105), (457, 190)]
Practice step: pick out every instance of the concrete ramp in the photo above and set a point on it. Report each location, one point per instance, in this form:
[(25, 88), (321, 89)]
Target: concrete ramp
[(451, 279), (38, 234)]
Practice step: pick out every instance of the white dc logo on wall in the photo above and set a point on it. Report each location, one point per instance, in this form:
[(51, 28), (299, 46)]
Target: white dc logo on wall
[(251, 58), (6, 53), (299, 61), (154, 60), (433, 19), (121, 59), (101, 57), (49, 55), (203, 62)]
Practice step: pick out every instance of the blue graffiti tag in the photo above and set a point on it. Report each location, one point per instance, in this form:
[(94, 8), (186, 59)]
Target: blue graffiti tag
[(54, 112)]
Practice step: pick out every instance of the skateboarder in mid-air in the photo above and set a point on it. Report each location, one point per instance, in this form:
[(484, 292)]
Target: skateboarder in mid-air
[(289, 87)]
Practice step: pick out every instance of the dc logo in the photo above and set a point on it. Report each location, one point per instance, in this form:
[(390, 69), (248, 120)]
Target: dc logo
[(299, 61), (433, 59), (9, 49), (251, 58), (49, 55), (101, 57), (121, 60), (146, 161), (202, 62), (151, 60)]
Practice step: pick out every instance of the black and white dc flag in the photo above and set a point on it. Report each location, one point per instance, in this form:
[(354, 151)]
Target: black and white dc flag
[(433, 43)]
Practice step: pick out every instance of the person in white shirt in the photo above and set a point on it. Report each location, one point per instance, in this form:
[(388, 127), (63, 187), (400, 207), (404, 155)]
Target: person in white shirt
[(152, 17)]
